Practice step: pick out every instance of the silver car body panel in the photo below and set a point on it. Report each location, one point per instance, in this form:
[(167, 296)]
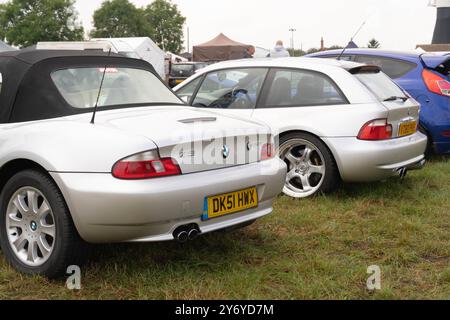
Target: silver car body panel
[(73, 144), (106, 209), (339, 125), (363, 161), (80, 156)]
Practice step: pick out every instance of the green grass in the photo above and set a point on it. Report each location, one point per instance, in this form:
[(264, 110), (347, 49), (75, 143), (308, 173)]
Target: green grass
[(318, 248)]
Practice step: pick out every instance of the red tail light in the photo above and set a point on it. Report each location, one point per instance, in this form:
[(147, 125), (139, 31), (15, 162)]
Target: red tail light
[(377, 129), (435, 83), (267, 151), (145, 165)]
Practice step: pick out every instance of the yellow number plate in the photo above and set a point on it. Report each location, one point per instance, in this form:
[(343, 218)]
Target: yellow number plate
[(407, 128), (178, 81), (229, 203)]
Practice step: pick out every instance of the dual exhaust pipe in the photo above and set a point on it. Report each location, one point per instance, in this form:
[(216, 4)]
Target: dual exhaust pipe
[(186, 233), (402, 172)]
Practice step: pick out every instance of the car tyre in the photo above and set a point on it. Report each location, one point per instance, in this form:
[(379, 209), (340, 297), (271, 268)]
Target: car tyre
[(37, 234), (311, 166)]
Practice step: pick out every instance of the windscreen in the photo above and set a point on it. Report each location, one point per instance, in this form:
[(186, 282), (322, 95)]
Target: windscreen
[(121, 86), (380, 85)]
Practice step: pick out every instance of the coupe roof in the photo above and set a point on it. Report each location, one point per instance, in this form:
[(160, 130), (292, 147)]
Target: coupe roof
[(411, 54), (292, 62)]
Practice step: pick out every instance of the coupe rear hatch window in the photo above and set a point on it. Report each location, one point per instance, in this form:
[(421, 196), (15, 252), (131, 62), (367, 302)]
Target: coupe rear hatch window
[(121, 86), (394, 68), (380, 85)]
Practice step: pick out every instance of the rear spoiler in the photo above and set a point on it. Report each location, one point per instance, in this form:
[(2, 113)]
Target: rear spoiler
[(365, 69), (439, 63)]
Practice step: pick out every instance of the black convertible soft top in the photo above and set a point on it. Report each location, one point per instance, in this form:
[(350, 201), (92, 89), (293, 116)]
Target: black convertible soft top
[(27, 90)]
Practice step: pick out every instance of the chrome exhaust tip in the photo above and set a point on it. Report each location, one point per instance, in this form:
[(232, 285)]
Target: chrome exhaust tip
[(186, 232), (182, 236), (403, 173), (193, 234)]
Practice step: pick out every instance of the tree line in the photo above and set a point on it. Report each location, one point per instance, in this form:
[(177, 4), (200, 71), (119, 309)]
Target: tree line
[(25, 22)]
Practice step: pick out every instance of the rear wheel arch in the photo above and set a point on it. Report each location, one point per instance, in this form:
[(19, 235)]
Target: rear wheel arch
[(70, 248), (285, 133), (9, 169)]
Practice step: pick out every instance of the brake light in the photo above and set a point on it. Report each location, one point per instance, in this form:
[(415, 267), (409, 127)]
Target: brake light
[(377, 129), (267, 151), (145, 165), (435, 83)]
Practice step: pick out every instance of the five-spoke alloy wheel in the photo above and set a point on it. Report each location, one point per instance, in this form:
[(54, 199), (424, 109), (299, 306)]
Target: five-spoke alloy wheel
[(311, 167)]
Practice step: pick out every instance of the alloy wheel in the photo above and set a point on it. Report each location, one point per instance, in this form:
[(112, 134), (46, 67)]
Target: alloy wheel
[(30, 226), (306, 168)]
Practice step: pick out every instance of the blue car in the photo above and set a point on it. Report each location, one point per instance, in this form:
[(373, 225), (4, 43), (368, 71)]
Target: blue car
[(425, 76)]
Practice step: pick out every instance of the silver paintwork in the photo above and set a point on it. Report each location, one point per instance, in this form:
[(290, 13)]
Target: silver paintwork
[(109, 210), (338, 125), (30, 227), (79, 156)]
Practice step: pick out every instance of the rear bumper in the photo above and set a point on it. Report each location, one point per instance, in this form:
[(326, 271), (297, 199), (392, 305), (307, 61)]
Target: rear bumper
[(105, 209), (362, 161)]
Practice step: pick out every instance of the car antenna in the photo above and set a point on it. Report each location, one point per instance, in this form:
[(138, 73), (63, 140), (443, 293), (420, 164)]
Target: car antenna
[(99, 91), (351, 39)]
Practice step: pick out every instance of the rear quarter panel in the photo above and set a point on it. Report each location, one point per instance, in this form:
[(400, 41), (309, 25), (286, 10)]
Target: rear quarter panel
[(323, 121), (66, 146)]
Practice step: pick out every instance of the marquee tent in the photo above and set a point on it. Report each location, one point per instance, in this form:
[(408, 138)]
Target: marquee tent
[(219, 49)]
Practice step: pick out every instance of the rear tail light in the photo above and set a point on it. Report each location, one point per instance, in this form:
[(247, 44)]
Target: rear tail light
[(267, 151), (446, 134), (435, 83), (145, 165), (377, 129)]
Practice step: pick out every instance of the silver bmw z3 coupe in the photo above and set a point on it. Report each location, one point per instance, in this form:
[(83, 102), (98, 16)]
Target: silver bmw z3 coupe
[(335, 120), (94, 148)]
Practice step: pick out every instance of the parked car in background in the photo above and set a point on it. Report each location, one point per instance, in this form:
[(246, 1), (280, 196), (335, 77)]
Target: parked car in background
[(424, 76), (183, 70), (334, 119), (136, 172)]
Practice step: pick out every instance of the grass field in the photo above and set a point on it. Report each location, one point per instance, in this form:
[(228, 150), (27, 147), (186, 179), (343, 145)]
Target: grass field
[(307, 249)]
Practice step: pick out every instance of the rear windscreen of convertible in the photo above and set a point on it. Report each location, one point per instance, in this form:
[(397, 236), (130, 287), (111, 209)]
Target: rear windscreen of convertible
[(121, 86)]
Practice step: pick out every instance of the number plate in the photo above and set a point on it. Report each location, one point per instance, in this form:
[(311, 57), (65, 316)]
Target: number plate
[(228, 203), (407, 128)]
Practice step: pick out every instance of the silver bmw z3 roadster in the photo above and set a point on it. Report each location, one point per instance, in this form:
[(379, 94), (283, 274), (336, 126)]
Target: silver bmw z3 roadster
[(94, 148)]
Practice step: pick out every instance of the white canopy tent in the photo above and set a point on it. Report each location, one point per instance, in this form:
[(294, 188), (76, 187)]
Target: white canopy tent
[(139, 47)]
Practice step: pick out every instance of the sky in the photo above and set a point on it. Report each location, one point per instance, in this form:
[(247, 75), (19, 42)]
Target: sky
[(396, 24)]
